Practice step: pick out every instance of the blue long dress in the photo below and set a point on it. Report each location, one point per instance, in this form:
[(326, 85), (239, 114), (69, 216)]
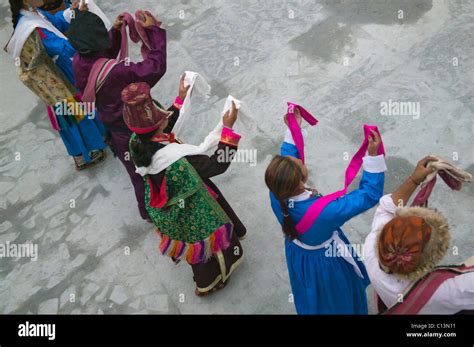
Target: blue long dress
[(321, 282), (87, 135)]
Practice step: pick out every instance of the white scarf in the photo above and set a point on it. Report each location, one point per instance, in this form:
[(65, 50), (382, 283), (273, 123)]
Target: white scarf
[(27, 24), (174, 151), (32, 20)]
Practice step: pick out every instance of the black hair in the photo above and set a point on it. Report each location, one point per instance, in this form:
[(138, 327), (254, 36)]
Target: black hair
[(15, 7), (143, 149)]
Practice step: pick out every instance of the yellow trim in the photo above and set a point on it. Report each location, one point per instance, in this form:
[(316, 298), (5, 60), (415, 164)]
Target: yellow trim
[(219, 277), (234, 266), (211, 286), (221, 260)]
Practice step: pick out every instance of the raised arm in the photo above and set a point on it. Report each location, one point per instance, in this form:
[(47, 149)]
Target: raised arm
[(220, 161), (60, 19), (367, 195), (152, 69)]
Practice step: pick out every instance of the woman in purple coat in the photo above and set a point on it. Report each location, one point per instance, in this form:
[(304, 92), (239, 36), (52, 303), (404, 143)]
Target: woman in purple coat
[(88, 34)]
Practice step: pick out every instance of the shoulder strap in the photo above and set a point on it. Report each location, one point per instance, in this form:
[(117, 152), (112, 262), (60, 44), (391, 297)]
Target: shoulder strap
[(418, 295), (99, 73)]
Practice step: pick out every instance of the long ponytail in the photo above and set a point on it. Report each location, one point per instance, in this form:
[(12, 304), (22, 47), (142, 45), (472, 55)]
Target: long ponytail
[(15, 7), (283, 177)]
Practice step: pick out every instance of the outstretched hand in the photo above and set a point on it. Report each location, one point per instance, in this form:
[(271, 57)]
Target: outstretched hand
[(230, 117), (80, 5), (118, 22), (374, 143), (183, 90), (298, 117), (421, 170), (146, 19)]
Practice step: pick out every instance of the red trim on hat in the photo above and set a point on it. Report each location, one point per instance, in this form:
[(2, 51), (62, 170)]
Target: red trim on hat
[(142, 131)]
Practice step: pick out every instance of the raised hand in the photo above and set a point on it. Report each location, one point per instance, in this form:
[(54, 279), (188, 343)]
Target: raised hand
[(374, 143), (230, 116), (183, 91)]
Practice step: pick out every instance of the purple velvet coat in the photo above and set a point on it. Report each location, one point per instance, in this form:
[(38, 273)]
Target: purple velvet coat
[(108, 99)]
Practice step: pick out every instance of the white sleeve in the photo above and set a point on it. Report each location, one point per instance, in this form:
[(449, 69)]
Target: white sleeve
[(454, 295), (67, 14), (374, 164), (289, 137)]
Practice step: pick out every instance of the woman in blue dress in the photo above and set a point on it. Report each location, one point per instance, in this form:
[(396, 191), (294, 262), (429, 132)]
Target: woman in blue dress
[(84, 140), (326, 275)]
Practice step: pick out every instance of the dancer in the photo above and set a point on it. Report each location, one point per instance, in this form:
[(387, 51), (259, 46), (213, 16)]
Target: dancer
[(95, 44), (82, 136), (192, 217), (402, 253), (324, 278)]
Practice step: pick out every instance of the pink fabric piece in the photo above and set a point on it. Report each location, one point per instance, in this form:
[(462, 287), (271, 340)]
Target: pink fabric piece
[(351, 172), (295, 128), (52, 118), (137, 34), (421, 199)]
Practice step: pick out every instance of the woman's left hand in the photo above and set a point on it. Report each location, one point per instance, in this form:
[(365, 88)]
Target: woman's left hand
[(118, 22), (183, 90)]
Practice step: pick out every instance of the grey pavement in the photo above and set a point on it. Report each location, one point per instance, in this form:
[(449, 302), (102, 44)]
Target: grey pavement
[(340, 59)]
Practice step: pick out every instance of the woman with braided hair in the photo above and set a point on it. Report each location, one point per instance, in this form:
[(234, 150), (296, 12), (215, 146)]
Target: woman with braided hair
[(326, 275), (84, 139)]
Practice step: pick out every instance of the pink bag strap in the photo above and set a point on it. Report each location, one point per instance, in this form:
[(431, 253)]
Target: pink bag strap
[(99, 73), (421, 292), (352, 170), (295, 128)]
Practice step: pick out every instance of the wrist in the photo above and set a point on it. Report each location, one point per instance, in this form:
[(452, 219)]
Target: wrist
[(414, 181), (178, 103)]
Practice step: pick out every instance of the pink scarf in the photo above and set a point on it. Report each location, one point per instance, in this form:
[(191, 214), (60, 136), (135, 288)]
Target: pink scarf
[(103, 66), (137, 33), (295, 128), (351, 172)]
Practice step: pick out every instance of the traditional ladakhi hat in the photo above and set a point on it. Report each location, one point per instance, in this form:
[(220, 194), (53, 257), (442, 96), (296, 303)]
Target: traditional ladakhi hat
[(413, 243), (140, 112)]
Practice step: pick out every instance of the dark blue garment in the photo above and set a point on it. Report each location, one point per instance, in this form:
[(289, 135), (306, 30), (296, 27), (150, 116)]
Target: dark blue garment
[(323, 283)]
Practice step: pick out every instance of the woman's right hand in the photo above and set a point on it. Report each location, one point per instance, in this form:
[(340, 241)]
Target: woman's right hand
[(146, 19), (422, 171), (230, 116), (298, 117)]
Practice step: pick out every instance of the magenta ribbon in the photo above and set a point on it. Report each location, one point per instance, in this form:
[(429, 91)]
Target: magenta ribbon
[(295, 128), (352, 170)]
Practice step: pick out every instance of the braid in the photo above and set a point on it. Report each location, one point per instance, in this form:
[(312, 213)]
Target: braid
[(15, 7), (283, 177), (288, 225)]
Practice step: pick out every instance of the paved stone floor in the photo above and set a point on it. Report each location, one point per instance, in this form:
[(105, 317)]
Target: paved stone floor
[(341, 59)]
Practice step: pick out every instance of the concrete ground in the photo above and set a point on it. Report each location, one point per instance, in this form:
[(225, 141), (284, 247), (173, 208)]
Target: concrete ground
[(340, 59)]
